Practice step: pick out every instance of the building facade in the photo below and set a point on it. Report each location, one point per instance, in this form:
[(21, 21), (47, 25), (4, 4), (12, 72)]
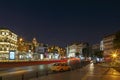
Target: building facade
[(95, 47), (108, 44), (8, 42), (76, 48)]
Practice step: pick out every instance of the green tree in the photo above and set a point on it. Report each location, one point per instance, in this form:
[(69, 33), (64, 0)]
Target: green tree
[(85, 52), (98, 54), (77, 54)]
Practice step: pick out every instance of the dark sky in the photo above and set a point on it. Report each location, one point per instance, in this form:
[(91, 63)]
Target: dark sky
[(61, 22)]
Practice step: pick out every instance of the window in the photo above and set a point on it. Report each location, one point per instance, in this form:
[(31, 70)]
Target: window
[(3, 33), (6, 33)]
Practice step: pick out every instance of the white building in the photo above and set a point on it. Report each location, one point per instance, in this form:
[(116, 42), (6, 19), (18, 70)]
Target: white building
[(8, 42), (75, 48)]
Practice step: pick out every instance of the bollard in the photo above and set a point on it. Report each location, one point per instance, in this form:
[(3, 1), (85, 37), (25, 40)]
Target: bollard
[(37, 75), (0, 77), (22, 76), (47, 73)]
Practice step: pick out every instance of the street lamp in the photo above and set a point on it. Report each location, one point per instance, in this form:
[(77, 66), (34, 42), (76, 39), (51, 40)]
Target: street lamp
[(114, 56), (20, 39)]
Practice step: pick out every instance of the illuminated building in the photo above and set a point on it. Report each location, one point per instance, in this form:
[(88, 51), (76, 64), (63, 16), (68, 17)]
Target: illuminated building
[(108, 44), (8, 41), (72, 50), (76, 48)]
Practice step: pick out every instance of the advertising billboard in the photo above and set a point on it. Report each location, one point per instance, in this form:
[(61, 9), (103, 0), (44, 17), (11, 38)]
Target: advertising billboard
[(11, 55)]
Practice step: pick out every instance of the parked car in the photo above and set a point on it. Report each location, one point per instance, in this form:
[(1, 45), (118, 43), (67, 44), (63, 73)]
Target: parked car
[(60, 67)]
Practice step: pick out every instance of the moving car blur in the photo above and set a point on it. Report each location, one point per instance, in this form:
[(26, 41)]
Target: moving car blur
[(62, 66)]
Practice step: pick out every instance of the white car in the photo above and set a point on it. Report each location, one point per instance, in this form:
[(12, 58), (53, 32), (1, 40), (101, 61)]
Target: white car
[(60, 67)]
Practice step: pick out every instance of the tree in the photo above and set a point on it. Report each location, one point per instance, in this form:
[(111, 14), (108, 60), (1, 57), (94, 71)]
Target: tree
[(99, 54), (77, 54), (85, 52)]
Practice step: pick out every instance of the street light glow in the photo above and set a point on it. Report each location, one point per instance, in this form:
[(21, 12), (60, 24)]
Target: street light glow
[(114, 55)]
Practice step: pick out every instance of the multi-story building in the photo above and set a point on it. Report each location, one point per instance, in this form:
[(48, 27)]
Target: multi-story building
[(76, 48), (95, 47), (71, 50), (8, 42), (55, 52), (27, 50), (108, 44)]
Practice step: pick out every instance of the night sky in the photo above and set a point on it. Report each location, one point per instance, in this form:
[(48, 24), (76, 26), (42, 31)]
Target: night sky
[(61, 22)]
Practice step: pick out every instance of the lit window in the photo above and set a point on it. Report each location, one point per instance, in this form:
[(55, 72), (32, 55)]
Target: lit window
[(2, 49), (6, 33), (3, 33)]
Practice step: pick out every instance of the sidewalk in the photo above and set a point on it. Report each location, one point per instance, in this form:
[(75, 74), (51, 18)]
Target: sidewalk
[(117, 68)]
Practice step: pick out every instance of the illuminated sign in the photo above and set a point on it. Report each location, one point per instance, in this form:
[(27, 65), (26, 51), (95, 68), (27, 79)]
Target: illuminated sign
[(12, 55)]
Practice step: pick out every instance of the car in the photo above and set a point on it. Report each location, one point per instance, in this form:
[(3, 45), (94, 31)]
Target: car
[(58, 67)]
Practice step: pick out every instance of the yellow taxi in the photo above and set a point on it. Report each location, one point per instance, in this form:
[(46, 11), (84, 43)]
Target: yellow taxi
[(60, 67)]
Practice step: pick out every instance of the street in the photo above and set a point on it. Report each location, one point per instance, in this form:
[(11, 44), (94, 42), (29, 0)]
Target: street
[(26, 72), (90, 72), (30, 72)]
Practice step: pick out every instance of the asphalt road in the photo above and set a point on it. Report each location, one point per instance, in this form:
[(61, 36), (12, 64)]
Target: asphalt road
[(23, 73), (90, 72), (5, 71), (29, 72)]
